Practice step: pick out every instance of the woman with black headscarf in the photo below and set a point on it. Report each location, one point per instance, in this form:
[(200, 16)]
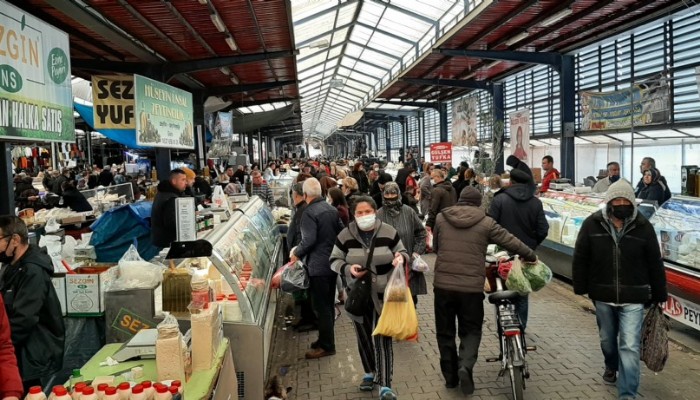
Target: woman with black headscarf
[(652, 189)]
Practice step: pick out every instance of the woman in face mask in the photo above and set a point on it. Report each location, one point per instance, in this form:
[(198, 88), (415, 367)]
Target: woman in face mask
[(411, 231), (366, 252)]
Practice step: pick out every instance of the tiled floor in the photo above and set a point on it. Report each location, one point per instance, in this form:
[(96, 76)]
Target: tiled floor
[(567, 364)]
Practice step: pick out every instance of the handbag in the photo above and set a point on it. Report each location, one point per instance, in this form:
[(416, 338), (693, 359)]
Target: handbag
[(359, 295), (655, 339)]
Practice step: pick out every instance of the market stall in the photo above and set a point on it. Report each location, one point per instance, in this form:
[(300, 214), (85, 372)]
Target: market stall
[(677, 224)]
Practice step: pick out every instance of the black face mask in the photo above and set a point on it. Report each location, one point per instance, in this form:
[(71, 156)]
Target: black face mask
[(614, 178), (392, 203), (622, 212)]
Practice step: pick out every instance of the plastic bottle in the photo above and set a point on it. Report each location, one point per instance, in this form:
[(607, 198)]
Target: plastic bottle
[(137, 393), (61, 393), (162, 393), (148, 389), (174, 393), (178, 385), (111, 393), (101, 388), (88, 393), (124, 391), (76, 377), (78, 390), (35, 393)]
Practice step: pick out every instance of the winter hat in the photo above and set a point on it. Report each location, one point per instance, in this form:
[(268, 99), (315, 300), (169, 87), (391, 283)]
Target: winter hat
[(384, 178), (391, 188), (623, 189), (470, 196), (520, 176), (512, 161), (188, 173)]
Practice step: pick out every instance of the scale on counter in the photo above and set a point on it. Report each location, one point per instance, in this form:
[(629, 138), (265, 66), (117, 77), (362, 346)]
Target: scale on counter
[(142, 345), (560, 184)]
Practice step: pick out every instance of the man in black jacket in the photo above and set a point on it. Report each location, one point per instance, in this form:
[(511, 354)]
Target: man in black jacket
[(320, 225), (403, 174), (443, 195), (617, 262), (307, 321), (31, 303), (518, 210), (163, 221)]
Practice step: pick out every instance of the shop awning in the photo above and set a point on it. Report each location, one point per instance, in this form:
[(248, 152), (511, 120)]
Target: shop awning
[(127, 137)]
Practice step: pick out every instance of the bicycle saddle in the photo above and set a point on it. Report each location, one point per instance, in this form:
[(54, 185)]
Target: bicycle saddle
[(504, 295)]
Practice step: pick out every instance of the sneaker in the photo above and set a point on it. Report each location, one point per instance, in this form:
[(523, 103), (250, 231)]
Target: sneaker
[(367, 384), (610, 376), (318, 353), (386, 393)]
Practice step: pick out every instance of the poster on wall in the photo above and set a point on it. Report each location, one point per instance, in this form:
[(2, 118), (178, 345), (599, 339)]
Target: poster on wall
[(113, 101), (224, 124), (645, 103), (36, 96), (164, 115), (464, 113), (520, 134), (440, 152)]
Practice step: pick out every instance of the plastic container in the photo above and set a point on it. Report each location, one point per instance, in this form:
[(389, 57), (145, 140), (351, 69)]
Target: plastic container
[(162, 393), (61, 393), (200, 291), (124, 391), (78, 390), (111, 393), (148, 389), (88, 393), (232, 309), (101, 390), (178, 385), (138, 393), (35, 393)]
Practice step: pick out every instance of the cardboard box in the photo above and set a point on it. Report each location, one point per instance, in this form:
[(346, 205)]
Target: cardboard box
[(537, 174), (85, 292), (73, 219), (59, 284)]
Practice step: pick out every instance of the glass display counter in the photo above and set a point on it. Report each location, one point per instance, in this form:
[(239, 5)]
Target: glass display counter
[(281, 187)]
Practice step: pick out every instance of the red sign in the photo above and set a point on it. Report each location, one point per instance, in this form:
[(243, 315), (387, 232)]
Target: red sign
[(440, 152)]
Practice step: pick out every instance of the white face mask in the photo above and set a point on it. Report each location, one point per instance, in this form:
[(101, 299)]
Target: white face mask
[(366, 222), (432, 182)]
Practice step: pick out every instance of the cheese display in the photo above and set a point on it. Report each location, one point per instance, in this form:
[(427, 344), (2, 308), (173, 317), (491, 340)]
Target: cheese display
[(171, 351), (207, 334)]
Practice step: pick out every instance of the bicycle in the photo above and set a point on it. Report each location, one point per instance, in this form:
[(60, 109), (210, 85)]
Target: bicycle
[(509, 332)]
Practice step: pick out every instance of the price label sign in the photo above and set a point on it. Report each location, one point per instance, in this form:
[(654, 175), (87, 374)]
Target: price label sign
[(186, 219)]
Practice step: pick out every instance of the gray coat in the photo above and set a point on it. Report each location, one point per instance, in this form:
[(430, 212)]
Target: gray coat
[(320, 224)]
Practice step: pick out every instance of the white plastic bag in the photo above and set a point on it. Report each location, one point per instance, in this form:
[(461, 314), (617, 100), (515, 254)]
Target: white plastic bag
[(52, 226), (218, 199), (53, 249), (419, 265), (133, 272)]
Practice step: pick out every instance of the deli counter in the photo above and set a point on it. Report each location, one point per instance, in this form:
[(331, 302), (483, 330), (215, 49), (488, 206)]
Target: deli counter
[(677, 225)]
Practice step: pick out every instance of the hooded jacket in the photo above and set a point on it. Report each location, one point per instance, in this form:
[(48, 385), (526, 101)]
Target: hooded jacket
[(163, 222), (442, 195), (34, 312), (11, 383), (619, 267), (518, 210), (460, 237)]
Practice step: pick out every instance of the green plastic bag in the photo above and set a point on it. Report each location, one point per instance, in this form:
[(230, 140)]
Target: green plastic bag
[(516, 279), (538, 274)]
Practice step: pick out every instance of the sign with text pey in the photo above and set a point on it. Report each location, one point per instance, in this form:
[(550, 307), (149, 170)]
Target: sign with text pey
[(164, 115), (440, 152), (113, 100), (36, 96)]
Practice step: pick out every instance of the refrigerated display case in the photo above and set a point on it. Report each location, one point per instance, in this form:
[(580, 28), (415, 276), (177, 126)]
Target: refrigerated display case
[(677, 225), (281, 187)]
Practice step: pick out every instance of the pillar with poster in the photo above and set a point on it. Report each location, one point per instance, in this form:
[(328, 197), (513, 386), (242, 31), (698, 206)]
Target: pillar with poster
[(520, 134)]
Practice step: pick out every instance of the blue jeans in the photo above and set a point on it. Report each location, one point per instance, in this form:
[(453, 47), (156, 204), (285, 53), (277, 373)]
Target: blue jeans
[(620, 329)]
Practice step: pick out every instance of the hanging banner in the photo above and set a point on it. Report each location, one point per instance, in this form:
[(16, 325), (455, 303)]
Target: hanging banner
[(464, 113), (36, 98), (113, 102), (224, 124), (440, 152), (164, 115), (646, 103), (520, 134)]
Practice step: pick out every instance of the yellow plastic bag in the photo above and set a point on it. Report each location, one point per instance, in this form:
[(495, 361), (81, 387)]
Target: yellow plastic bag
[(398, 319)]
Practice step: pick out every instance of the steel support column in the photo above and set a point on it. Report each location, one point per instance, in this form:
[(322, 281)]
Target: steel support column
[(387, 139), (163, 162), (251, 148), (7, 194), (88, 150), (261, 154), (443, 121), (499, 108), (567, 90), (404, 137)]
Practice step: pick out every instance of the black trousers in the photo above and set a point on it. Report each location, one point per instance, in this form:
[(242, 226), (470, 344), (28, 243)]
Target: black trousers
[(467, 309), (322, 291)]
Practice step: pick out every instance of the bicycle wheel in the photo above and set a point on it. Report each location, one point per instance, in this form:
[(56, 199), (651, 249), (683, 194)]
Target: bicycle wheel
[(517, 381)]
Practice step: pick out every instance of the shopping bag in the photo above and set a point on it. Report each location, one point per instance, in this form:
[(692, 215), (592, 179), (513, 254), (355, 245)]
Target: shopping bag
[(420, 265), (397, 287), (276, 281), (398, 319), (429, 242), (294, 277), (516, 279), (218, 198), (655, 339), (538, 274), (359, 296)]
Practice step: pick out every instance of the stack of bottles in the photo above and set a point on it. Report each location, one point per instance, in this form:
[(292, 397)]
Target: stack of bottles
[(124, 391)]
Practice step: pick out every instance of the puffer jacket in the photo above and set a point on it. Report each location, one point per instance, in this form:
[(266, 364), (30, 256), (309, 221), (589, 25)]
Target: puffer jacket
[(34, 312), (628, 269), (460, 237), (442, 195), (518, 210)]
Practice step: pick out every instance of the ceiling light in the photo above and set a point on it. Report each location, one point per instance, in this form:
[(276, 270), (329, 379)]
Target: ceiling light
[(556, 17), (516, 38), (225, 70), (319, 44), (218, 23), (493, 64), (231, 43), (337, 83), (234, 79)]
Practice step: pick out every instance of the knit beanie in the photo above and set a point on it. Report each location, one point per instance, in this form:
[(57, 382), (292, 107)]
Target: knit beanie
[(520, 176), (623, 189), (392, 189), (188, 173), (470, 196)]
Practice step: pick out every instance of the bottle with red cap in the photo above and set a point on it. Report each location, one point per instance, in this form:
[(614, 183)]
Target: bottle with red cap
[(101, 388), (78, 390), (178, 385), (35, 393), (138, 393), (61, 393), (148, 389), (162, 393), (111, 393), (124, 391), (88, 393), (174, 393)]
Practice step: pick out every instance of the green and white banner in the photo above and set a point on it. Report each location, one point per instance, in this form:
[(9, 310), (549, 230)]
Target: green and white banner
[(164, 115), (36, 98)]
